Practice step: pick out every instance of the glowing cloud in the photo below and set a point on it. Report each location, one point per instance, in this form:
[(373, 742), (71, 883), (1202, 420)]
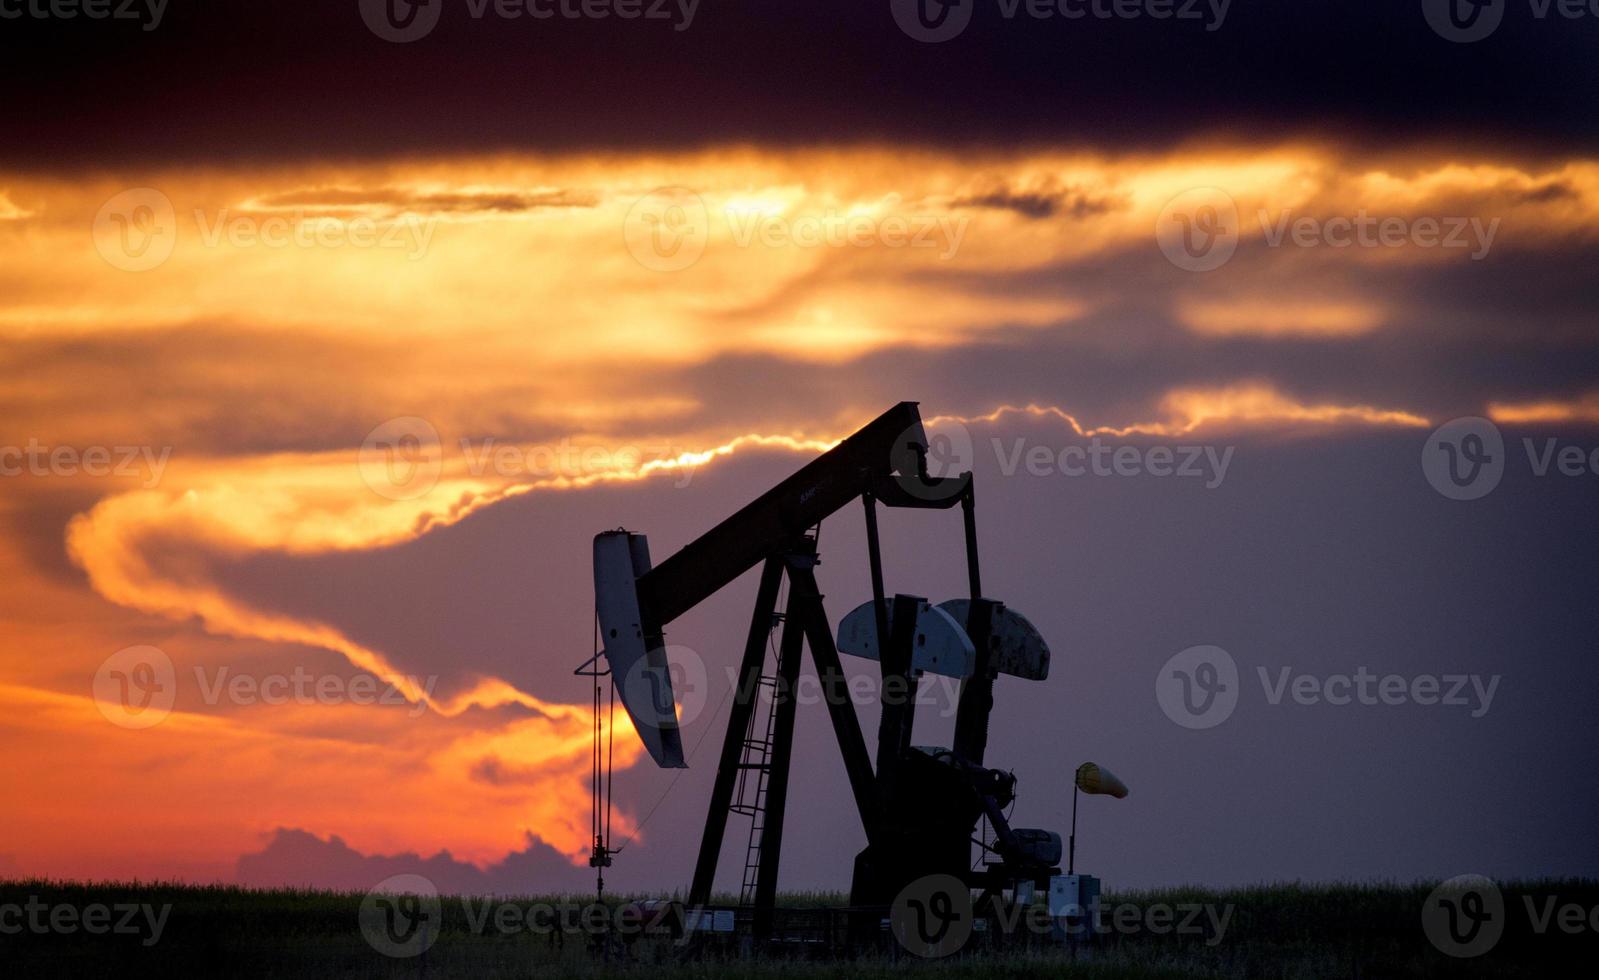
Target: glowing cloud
[(517, 296), (1584, 409), (1190, 409)]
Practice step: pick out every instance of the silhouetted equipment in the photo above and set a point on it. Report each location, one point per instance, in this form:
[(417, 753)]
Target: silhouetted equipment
[(601, 748), (920, 806)]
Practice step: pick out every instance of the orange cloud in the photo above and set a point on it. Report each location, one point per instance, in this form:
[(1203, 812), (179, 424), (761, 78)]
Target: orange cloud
[(326, 502), (198, 790), (1227, 408), (1280, 317), (1584, 409), (9, 211)]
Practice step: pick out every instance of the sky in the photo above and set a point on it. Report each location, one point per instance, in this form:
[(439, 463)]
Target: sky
[(327, 345)]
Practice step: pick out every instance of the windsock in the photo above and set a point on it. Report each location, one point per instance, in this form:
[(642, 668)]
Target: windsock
[(1100, 781)]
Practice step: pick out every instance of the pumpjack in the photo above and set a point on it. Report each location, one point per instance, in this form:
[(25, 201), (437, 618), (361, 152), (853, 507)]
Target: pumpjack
[(920, 806)]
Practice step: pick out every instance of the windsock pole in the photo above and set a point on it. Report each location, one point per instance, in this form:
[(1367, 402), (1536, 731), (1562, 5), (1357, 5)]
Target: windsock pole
[(1071, 847)]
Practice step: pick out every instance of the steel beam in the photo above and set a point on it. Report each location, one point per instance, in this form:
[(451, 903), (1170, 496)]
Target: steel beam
[(737, 723)]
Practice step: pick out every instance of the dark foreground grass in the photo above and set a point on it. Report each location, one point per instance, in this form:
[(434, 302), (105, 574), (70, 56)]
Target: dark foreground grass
[(1271, 931)]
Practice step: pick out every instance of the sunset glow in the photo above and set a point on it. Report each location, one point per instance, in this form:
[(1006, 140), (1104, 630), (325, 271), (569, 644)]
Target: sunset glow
[(504, 303)]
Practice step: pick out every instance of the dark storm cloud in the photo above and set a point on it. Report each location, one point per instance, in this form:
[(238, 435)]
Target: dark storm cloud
[(1516, 327), (90, 380), (83, 385), (296, 858), (1070, 202), (307, 78), (1519, 327)]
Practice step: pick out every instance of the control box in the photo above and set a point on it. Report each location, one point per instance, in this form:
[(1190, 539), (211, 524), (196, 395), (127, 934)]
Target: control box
[(1074, 905)]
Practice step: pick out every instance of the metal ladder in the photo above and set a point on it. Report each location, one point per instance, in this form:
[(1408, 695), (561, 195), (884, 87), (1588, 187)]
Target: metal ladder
[(749, 798)]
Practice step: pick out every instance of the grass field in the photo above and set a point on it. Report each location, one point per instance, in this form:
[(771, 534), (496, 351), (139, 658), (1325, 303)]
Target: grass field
[(1274, 931)]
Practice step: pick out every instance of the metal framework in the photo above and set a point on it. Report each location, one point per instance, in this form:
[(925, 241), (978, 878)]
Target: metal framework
[(919, 809)]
